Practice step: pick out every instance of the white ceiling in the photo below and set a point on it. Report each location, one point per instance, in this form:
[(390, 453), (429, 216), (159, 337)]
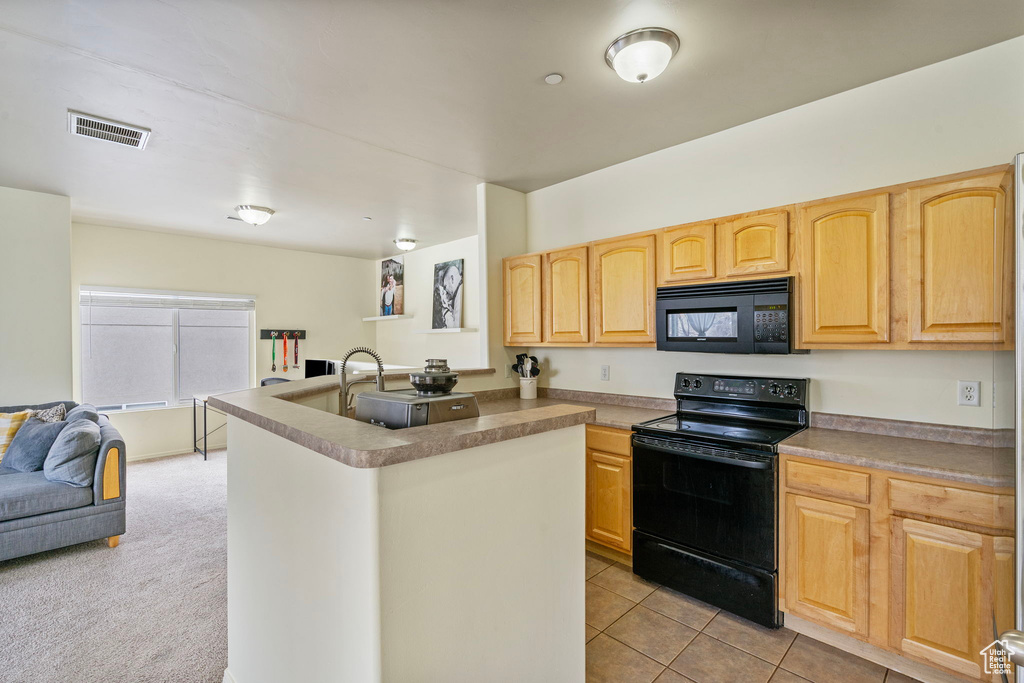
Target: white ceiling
[(328, 111)]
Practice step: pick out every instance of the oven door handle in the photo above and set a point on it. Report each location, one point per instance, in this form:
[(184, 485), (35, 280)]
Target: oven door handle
[(736, 462)]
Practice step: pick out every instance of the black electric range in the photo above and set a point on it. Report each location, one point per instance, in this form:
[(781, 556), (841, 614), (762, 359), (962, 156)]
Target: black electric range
[(705, 490)]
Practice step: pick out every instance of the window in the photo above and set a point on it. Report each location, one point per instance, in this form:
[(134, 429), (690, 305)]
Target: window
[(151, 349)]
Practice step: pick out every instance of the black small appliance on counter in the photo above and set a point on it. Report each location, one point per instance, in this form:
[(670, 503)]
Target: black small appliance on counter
[(705, 490)]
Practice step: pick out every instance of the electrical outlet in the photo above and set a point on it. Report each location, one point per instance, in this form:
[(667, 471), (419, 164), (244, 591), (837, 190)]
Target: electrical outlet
[(968, 393), (606, 373)]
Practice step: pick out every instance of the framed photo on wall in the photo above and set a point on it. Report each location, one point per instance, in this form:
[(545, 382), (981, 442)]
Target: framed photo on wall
[(391, 298), (447, 309)]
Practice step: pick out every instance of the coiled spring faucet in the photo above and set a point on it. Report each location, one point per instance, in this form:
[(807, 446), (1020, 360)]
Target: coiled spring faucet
[(346, 385)]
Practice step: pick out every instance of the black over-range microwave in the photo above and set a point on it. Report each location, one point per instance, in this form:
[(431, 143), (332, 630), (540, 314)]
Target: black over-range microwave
[(726, 317)]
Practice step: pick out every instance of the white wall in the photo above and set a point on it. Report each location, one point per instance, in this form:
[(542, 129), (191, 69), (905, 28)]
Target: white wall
[(400, 341), (323, 294), (957, 115), (35, 301)]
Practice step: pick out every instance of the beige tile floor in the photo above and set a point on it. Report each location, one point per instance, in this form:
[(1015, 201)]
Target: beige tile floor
[(639, 632)]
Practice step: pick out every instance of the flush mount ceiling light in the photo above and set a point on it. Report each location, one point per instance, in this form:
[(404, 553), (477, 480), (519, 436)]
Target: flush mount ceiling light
[(254, 215), (405, 244), (640, 55), (553, 79)]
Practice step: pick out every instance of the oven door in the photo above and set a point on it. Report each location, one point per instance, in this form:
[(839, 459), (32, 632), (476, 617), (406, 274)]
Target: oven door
[(711, 324), (712, 500)]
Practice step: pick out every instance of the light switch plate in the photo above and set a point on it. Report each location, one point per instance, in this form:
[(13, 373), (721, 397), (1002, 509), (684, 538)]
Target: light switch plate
[(968, 393)]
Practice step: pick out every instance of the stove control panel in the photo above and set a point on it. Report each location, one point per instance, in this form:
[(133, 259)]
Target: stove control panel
[(773, 390)]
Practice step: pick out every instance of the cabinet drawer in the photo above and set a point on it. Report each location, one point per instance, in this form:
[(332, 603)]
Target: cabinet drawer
[(609, 440), (828, 481), (961, 505)]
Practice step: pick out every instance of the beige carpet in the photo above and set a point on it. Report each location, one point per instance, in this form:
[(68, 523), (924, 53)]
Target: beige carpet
[(152, 609)]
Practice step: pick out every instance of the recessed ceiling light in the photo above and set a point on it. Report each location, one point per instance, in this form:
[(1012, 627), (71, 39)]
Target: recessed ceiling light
[(553, 79), (254, 215), (405, 243), (367, 218), (640, 55)]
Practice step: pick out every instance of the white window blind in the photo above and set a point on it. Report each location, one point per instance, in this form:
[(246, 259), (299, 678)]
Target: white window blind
[(143, 349)]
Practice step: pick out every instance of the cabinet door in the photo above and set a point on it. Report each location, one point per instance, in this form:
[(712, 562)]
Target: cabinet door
[(957, 276), (827, 562), (566, 296), (844, 267), (522, 280), (609, 500), (938, 589), (624, 290), (755, 244), (686, 252)]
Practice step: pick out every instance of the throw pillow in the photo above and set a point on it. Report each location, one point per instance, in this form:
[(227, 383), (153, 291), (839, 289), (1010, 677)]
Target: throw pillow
[(30, 446), (10, 423), (72, 457), (86, 410), (54, 414)]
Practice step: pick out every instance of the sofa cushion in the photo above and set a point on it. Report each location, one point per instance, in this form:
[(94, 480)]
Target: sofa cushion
[(32, 443), (10, 423), (86, 410), (72, 457), (55, 413), (7, 470), (24, 494)]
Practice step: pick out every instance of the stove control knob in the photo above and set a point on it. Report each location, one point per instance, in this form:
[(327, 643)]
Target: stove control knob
[(790, 390), (697, 384), (685, 383), (775, 389)]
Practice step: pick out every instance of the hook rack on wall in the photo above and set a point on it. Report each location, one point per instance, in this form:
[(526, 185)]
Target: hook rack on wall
[(292, 334)]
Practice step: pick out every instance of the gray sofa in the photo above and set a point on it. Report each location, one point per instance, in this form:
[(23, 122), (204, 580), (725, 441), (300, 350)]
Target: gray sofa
[(37, 514)]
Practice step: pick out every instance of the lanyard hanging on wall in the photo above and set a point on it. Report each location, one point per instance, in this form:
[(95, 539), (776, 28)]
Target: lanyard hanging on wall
[(295, 364), (285, 342), (273, 351)]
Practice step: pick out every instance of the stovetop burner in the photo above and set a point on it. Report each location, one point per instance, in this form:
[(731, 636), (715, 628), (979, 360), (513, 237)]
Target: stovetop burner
[(733, 412)]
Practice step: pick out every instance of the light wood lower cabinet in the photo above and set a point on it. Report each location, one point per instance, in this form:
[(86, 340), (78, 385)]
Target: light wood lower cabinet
[(827, 562), (940, 595), (918, 566), (609, 494)]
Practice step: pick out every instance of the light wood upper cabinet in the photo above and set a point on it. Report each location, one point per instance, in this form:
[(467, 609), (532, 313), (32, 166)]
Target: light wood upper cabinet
[(844, 268), (754, 244), (685, 253), (958, 278), (609, 500), (827, 556), (624, 290), (522, 283), (566, 296), (938, 583)]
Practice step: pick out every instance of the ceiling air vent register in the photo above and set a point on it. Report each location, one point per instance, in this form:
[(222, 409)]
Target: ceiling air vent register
[(99, 128)]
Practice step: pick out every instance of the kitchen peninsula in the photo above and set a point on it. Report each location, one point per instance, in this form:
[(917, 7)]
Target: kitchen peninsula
[(364, 554)]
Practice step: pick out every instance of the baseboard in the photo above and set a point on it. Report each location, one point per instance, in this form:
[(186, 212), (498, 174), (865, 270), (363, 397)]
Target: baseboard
[(228, 678), (891, 660), (167, 454)]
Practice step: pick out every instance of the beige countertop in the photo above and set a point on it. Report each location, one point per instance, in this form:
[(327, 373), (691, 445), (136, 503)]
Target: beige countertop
[(362, 445), (980, 465)]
